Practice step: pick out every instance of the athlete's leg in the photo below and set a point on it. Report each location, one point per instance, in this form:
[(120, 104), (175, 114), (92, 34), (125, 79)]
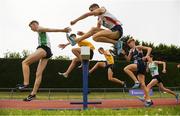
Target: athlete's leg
[(41, 66), (106, 36), (77, 53), (91, 32), (161, 86), (129, 69), (40, 53), (111, 78), (96, 66), (141, 79), (151, 84), (71, 66)]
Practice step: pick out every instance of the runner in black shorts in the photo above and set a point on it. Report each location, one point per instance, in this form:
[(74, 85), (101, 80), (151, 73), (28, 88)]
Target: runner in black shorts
[(156, 79), (139, 66), (77, 53), (42, 54), (109, 65)]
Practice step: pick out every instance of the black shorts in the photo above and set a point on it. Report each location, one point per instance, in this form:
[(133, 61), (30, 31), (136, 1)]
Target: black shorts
[(91, 54), (119, 29), (158, 78), (109, 66), (141, 67), (48, 51)]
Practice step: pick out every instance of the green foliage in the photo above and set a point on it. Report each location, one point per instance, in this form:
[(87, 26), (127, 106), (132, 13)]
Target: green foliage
[(62, 58)]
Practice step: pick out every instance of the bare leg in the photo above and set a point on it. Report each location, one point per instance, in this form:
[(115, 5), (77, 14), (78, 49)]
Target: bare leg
[(106, 36), (91, 32), (166, 89), (71, 66), (129, 69), (77, 53), (40, 53), (141, 79), (96, 66), (111, 78), (41, 66)]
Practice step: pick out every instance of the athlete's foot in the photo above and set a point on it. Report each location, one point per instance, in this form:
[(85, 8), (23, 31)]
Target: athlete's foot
[(70, 39), (29, 98), (80, 66), (148, 103), (124, 85), (142, 99), (119, 46), (177, 97), (63, 74), (21, 86), (136, 86)]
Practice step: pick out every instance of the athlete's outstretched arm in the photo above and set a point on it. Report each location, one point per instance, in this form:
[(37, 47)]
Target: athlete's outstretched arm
[(62, 46), (164, 65), (96, 12), (42, 29)]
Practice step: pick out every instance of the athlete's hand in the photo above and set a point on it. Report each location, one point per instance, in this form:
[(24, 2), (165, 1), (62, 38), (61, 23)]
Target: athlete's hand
[(80, 33), (73, 22), (123, 52), (178, 66), (62, 46), (145, 58), (164, 71), (67, 29)]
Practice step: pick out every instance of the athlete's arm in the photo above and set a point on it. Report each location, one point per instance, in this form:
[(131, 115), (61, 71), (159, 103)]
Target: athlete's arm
[(148, 49), (62, 46), (99, 24), (96, 12), (128, 58), (164, 65), (41, 29)]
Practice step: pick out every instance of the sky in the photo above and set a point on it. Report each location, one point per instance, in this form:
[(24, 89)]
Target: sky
[(156, 21)]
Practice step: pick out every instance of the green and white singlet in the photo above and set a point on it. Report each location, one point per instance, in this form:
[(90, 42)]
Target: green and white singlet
[(43, 39), (153, 67)]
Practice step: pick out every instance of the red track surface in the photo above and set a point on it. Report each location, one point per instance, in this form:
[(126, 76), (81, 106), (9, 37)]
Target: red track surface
[(64, 104)]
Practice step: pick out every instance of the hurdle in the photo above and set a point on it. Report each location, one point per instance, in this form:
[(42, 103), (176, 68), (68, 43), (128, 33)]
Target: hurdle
[(85, 55)]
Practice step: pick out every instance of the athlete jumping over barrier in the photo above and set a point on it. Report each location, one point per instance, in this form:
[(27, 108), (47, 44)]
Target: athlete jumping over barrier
[(112, 34), (77, 53), (156, 79), (108, 65), (42, 54), (139, 66)]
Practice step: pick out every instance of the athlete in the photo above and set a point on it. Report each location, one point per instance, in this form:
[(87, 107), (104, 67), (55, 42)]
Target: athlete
[(139, 66), (77, 53), (156, 79), (108, 65), (42, 54), (111, 34)]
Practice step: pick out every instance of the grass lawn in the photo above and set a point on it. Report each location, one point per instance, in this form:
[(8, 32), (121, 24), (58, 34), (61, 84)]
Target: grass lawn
[(76, 95), (173, 110)]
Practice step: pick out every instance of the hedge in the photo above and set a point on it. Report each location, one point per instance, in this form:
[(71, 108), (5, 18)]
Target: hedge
[(11, 74)]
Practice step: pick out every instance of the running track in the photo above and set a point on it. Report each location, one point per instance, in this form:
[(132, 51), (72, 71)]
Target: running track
[(64, 104)]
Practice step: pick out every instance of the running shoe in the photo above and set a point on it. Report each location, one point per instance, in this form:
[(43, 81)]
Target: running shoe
[(29, 98), (142, 99), (21, 86), (119, 46), (177, 97), (136, 86), (62, 74), (70, 39), (148, 103)]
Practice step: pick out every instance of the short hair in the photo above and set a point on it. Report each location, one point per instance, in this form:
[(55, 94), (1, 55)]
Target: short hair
[(93, 5), (33, 21), (73, 35), (130, 40)]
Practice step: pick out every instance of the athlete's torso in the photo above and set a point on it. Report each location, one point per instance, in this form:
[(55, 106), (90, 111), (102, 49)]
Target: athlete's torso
[(43, 39)]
